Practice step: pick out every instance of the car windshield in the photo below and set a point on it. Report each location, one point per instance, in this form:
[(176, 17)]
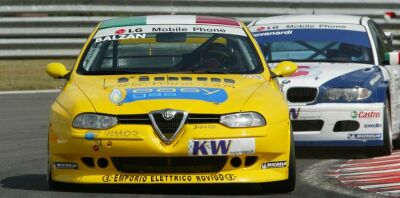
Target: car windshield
[(170, 49), (314, 42)]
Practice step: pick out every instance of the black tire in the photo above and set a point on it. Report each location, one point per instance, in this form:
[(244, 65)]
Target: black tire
[(387, 147), (289, 184)]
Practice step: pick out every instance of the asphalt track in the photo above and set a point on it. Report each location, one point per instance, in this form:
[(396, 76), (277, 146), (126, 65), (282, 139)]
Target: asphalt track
[(23, 136)]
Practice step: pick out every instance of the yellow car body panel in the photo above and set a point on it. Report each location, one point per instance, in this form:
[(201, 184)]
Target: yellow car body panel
[(91, 94)]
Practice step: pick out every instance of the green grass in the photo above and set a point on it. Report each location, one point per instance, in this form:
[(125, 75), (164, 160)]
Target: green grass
[(29, 74)]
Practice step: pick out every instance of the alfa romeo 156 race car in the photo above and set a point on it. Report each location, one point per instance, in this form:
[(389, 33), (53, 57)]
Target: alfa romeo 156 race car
[(170, 99), (346, 90)]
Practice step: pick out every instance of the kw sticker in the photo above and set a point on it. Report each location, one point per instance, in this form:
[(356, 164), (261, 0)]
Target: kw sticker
[(222, 146)]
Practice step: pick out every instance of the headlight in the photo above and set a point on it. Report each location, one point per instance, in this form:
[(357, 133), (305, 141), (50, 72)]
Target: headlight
[(94, 121), (347, 94), (249, 119)]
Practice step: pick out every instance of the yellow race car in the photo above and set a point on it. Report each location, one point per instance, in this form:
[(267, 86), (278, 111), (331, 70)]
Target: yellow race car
[(170, 100)]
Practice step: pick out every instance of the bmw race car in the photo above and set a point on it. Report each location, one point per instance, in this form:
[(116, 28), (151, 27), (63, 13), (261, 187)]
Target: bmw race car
[(346, 90), (170, 100)]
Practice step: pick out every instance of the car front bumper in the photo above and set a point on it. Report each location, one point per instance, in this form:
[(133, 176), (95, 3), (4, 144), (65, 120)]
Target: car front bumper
[(71, 149), (336, 124)]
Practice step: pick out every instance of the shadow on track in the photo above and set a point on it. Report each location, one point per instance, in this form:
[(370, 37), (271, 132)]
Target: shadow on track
[(37, 182), (330, 153)]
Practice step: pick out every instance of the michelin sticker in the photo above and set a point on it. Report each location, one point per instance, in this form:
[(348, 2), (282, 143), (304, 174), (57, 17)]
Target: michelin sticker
[(278, 164), (222, 146), (372, 136)]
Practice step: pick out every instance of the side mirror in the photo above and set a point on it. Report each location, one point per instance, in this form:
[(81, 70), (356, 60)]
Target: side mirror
[(392, 58), (389, 37), (285, 68), (57, 70)]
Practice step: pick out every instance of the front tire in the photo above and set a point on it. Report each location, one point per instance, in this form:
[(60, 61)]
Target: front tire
[(387, 147)]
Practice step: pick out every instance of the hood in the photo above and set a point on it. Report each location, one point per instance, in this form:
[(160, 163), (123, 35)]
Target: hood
[(317, 74), (192, 93)]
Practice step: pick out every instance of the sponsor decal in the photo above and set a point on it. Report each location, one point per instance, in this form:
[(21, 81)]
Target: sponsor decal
[(377, 125), (278, 164), (307, 71), (120, 37), (294, 113), (121, 133), (365, 114), (204, 126), (65, 165), (90, 135), (168, 178), (364, 136), (140, 31), (310, 26), (215, 95), (116, 96), (274, 33), (252, 76), (375, 79), (120, 31), (222, 146)]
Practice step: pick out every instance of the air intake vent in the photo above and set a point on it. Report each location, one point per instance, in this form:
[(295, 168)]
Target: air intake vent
[(346, 125), (301, 94), (307, 125)]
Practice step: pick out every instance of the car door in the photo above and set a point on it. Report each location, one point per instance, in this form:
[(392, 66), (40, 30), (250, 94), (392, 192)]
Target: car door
[(382, 46)]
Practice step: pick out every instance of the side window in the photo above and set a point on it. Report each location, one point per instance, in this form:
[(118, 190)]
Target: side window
[(380, 41)]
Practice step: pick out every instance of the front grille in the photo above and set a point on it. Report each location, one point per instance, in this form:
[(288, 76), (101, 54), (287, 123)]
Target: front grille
[(301, 94), (168, 127), (307, 125), (192, 119), (169, 164)]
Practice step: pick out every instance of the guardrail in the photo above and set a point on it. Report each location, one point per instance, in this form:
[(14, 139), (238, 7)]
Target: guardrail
[(58, 28)]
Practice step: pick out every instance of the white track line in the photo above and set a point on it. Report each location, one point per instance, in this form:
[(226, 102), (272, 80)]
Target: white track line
[(379, 185), (30, 91), (389, 193), (364, 173), (369, 167)]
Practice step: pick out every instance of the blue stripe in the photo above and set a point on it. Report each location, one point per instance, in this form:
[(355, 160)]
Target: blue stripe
[(350, 143)]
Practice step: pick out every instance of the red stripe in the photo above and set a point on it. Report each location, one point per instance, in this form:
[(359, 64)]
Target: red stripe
[(216, 20), (398, 60)]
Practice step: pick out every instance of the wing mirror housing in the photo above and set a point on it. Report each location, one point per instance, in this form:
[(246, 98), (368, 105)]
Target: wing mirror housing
[(57, 70), (284, 69)]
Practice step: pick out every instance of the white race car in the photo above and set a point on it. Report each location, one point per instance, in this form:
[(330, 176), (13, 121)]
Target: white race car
[(346, 91)]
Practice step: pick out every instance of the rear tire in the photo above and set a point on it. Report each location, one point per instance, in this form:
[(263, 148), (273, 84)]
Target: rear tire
[(289, 184)]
